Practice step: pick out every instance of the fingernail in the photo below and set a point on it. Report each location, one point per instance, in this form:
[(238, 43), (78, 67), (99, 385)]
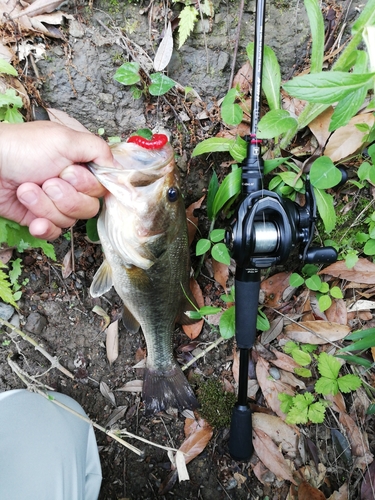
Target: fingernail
[(69, 176), (53, 192), (28, 198)]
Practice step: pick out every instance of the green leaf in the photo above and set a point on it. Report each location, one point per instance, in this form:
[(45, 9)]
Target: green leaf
[(212, 190), (349, 383), (6, 294), (10, 98), (326, 87), (12, 115), (238, 149), (7, 68), (15, 271), (262, 322), (274, 123), (292, 180), (369, 248), (324, 174), (314, 283), (316, 413), (271, 75), (270, 165), (317, 33), (286, 401), (324, 288), (371, 409), (231, 112), (187, 16), (144, 132), (203, 246), (324, 302), (297, 416), (296, 280), (290, 346), (356, 360), (92, 229), (212, 145), (326, 386), (325, 205), (227, 323), (160, 84), (361, 334), (193, 314), (300, 357), (360, 345), (328, 366), (303, 372), (217, 235), (220, 253), (336, 292), (207, 310), (128, 73), (351, 258), (229, 188)]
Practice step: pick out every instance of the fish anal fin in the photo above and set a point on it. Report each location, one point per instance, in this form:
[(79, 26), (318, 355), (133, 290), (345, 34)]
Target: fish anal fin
[(130, 323), (167, 389), (102, 281)]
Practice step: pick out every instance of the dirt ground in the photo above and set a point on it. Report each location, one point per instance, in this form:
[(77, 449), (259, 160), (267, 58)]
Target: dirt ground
[(76, 76)]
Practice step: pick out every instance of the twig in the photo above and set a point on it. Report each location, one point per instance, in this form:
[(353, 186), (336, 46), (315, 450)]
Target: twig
[(236, 44), (52, 359), (203, 353)]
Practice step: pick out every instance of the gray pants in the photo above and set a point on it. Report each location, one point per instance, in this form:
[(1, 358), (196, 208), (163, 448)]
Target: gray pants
[(46, 453)]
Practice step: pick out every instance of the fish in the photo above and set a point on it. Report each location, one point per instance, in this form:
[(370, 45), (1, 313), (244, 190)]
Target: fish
[(143, 232)]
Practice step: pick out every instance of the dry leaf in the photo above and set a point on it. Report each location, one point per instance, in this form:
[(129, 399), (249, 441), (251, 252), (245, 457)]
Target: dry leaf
[(132, 386), (358, 441), (276, 328), (221, 273), (271, 388), (362, 305), (67, 265), (308, 492), (320, 125), (284, 435), (59, 116), (192, 220), (193, 330), (343, 494), (243, 78), (111, 342), (274, 289), (100, 312), (38, 7), (199, 434), (368, 484), (164, 53), (6, 254), (337, 312), (316, 332), (362, 272), (284, 361), (347, 140), (271, 456), (107, 393)]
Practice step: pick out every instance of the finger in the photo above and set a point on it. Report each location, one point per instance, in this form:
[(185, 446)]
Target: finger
[(70, 202), (83, 180), (42, 206), (44, 229)]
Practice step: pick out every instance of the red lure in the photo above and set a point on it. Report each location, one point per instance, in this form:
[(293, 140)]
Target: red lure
[(156, 142)]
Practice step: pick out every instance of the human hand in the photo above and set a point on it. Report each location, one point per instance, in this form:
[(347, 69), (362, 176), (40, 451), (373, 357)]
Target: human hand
[(42, 184)]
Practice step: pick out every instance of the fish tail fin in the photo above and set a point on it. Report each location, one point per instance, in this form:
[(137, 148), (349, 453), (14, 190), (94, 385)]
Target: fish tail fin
[(167, 389)]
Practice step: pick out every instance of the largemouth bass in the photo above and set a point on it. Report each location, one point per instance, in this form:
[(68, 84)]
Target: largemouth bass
[(143, 231)]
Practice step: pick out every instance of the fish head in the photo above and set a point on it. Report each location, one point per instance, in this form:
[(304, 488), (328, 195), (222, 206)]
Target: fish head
[(143, 208)]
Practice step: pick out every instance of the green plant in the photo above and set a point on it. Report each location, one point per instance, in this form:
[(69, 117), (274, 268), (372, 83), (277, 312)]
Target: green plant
[(361, 340), (314, 283), (129, 74), (189, 16), (301, 355), (303, 408), (10, 102)]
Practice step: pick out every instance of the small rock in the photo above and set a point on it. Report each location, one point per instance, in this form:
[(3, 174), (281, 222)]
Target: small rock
[(76, 29), (6, 311), (35, 323)]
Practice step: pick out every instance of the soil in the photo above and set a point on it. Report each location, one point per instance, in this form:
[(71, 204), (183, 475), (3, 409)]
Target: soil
[(77, 76)]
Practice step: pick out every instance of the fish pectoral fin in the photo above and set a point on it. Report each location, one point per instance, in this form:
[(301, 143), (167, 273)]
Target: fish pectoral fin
[(102, 281), (130, 323)]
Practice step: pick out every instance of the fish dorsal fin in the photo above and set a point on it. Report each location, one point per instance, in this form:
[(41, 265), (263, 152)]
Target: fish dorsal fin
[(102, 281), (130, 323)]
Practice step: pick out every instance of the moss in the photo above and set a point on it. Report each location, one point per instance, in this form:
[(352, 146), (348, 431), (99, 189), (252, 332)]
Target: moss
[(216, 403)]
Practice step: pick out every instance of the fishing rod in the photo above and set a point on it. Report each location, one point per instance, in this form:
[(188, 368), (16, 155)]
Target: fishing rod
[(265, 232)]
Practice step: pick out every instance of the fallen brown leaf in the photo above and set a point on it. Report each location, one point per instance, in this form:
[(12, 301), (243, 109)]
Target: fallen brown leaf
[(67, 265), (193, 330), (342, 494), (192, 220), (284, 361), (271, 456), (308, 492), (368, 484), (199, 433), (271, 388), (320, 125), (337, 313), (316, 332), (111, 342), (362, 272), (284, 435), (221, 273), (274, 289)]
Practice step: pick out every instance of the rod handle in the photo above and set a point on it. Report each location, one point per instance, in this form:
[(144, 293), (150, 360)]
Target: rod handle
[(241, 430)]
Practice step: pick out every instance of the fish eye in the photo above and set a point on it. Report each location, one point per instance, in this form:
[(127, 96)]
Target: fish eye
[(173, 194)]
